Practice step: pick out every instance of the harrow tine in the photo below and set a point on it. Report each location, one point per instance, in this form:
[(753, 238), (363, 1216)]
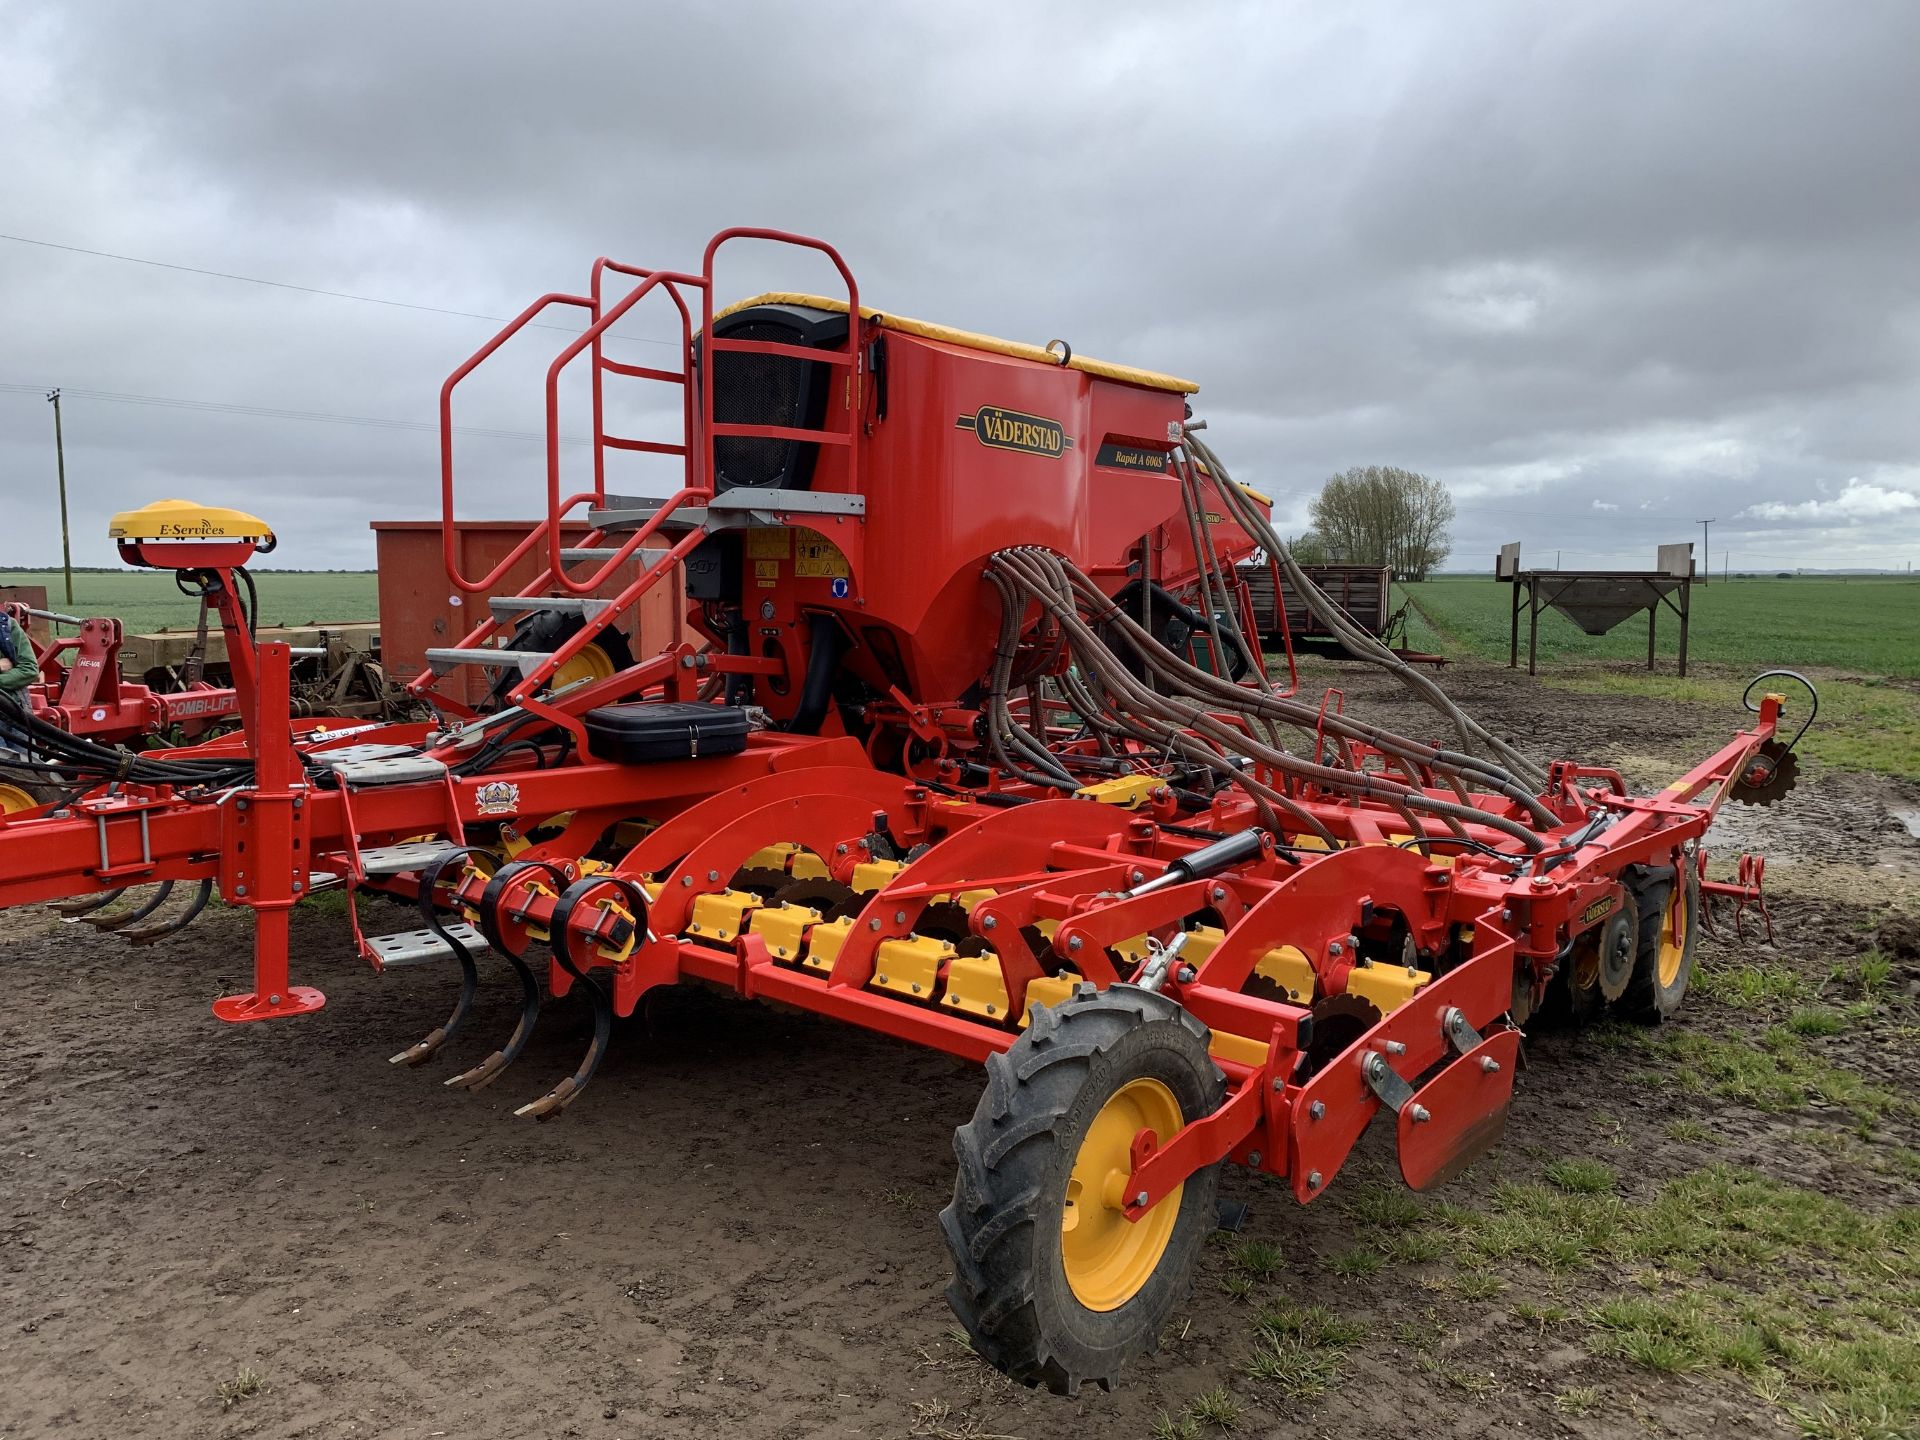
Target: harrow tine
[(569, 1089), (86, 905), (127, 917), (488, 1070), (151, 934), (424, 1050), (491, 1068)]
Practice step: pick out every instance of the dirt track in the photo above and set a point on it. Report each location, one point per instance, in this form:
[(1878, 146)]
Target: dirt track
[(734, 1231)]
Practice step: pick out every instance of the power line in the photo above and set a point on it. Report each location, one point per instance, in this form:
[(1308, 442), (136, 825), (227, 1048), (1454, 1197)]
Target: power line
[(267, 412), (313, 289)]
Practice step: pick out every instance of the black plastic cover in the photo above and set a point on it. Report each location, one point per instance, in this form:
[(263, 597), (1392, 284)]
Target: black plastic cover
[(664, 730)]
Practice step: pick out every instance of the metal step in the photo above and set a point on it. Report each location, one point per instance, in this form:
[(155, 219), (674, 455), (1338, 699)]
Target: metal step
[(581, 554), (401, 858), (394, 770), (630, 512), (525, 661), (417, 947), (585, 607)]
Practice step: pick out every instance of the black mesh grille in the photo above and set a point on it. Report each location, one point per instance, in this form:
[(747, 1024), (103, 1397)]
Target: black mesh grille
[(759, 390)]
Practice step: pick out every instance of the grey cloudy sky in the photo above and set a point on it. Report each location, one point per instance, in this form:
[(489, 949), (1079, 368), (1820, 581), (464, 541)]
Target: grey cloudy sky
[(1604, 268)]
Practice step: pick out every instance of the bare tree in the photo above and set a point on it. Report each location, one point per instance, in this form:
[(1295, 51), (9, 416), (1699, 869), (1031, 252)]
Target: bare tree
[(1382, 515)]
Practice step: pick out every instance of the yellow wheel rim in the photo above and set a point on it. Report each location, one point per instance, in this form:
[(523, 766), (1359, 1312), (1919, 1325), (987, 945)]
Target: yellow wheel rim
[(1108, 1258), (592, 663), (13, 798), (1673, 936)]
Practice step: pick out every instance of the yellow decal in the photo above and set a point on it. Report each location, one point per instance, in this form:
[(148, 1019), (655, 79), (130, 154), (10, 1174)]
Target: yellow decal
[(766, 569), (820, 559), (769, 542)]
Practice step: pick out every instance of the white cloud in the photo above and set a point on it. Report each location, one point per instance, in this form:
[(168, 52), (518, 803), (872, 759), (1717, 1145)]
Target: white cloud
[(1858, 500), (1605, 505)]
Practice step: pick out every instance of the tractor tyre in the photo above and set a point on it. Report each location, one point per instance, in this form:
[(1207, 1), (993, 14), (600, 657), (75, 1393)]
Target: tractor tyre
[(547, 630), (1055, 1286), (1663, 963), (23, 789)]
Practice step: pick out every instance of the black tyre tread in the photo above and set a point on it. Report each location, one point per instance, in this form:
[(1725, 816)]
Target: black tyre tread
[(1005, 1155), (1651, 887)]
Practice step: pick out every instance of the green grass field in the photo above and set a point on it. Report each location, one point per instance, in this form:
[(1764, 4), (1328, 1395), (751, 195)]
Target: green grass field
[(1859, 638), (146, 601), (1869, 625)]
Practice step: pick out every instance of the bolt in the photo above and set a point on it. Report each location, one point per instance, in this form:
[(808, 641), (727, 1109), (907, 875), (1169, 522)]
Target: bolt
[(1313, 1180), (686, 662), (1489, 1064), (1543, 882), (1420, 1114), (241, 803), (899, 917), (840, 849), (1187, 974), (273, 999), (880, 979), (712, 876), (1217, 894), (297, 887), (989, 923), (874, 924), (1506, 917), (239, 889), (1253, 1158), (686, 882), (1134, 877), (1140, 1200), (989, 1009), (1336, 948), (1074, 944), (1317, 1110), (1394, 1047), (1278, 1086), (916, 987)]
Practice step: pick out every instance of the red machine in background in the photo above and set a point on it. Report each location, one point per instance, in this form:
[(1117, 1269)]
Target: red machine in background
[(82, 691), (941, 756)]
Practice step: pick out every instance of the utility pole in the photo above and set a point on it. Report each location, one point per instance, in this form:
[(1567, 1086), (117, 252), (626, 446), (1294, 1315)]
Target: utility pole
[(1706, 544), (60, 459)]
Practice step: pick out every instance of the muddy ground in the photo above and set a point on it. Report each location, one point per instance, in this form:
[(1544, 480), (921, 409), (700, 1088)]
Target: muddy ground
[(733, 1233)]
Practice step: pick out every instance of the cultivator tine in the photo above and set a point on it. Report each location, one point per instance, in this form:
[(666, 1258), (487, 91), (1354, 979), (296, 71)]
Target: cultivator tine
[(86, 905), (568, 1090), (491, 917), (629, 933), (173, 925), (127, 917), (424, 1050)]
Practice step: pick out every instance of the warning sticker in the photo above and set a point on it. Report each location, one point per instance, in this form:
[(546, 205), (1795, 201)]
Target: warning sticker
[(821, 560), (769, 542), (766, 569)]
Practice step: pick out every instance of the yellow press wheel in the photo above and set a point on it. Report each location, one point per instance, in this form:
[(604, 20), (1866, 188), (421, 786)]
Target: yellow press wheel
[(13, 798), (1669, 905), (1054, 1284), (1107, 1257)]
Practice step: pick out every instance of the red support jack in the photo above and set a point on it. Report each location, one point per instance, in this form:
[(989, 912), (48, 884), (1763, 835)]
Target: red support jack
[(263, 861)]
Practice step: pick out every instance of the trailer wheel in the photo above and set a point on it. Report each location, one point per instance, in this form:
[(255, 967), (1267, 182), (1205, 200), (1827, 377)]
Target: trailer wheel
[(1663, 962), (1054, 1284), (25, 789), (548, 630)]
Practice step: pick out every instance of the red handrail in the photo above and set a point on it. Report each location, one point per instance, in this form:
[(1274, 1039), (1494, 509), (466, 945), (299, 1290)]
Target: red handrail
[(591, 338), (449, 550), (849, 357)]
